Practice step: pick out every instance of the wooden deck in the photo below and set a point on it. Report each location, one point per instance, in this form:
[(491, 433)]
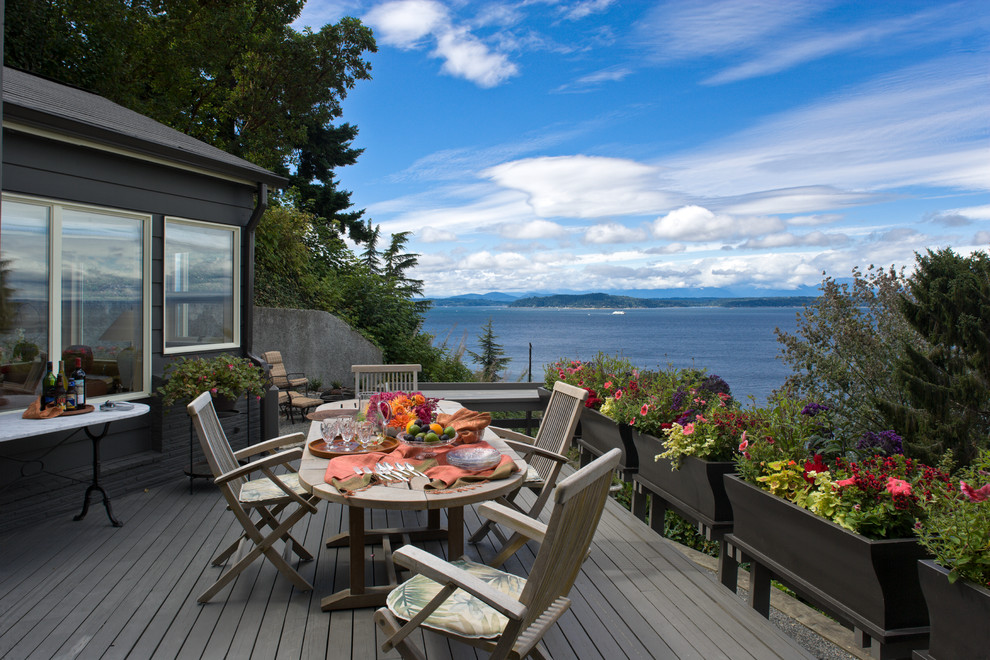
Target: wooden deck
[(85, 589)]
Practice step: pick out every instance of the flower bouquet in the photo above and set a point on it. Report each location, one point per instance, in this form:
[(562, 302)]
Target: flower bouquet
[(396, 411), (225, 376)]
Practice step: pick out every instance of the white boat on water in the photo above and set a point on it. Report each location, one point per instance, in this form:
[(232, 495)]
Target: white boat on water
[(618, 311)]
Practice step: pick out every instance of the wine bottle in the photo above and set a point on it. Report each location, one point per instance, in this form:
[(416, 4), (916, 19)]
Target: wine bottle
[(48, 388), (79, 376), (62, 388)]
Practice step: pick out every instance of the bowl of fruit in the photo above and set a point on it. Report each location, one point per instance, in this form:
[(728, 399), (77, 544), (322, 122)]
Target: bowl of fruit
[(424, 433)]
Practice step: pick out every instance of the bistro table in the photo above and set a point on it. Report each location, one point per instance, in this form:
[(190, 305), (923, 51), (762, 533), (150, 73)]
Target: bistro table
[(15, 427), (311, 475)]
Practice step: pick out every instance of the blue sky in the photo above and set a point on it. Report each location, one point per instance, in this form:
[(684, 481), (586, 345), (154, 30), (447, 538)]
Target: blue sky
[(722, 145)]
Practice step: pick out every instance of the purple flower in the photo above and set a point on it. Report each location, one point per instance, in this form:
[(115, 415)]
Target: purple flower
[(884, 442), (714, 384), (813, 409)]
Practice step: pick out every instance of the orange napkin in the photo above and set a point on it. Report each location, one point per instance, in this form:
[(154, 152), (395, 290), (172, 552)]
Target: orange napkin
[(34, 411), (469, 424)]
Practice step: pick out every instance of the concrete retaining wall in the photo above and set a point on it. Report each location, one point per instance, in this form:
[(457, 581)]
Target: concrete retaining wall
[(315, 343)]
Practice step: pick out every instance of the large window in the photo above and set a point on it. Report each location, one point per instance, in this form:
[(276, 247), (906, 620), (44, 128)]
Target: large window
[(93, 308), (201, 266)]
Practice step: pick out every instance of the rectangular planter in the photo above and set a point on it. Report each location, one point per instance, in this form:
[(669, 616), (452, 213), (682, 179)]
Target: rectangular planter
[(599, 434), (873, 584), (696, 487), (959, 613)]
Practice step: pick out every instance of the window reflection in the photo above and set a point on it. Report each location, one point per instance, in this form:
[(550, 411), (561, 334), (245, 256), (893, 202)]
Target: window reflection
[(199, 285), (102, 265), (24, 316)]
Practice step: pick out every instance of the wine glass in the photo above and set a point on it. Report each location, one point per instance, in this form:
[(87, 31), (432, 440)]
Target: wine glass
[(348, 429), (330, 429)]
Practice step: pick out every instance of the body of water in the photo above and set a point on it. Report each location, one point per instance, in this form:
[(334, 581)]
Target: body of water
[(738, 344)]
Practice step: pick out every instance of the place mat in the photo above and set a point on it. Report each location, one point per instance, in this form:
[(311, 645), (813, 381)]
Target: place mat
[(443, 476)]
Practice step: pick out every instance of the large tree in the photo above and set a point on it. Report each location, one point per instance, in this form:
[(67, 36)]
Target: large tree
[(234, 74)]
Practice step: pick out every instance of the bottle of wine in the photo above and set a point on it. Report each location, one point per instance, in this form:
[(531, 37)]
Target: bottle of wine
[(48, 388), (79, 376), (63, 388)]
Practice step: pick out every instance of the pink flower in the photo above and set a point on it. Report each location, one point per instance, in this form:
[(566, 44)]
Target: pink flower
[(842, 483), (608, 385), (700, 418), (230, 366), (688, 428), (898, 486), (974, 494), (644, 409), (632, 422), (618, 394), (744, 445), (213, 390)]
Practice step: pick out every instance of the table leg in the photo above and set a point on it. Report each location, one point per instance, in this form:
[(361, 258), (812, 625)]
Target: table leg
[(95, 486), (455, 532), (359, 594)]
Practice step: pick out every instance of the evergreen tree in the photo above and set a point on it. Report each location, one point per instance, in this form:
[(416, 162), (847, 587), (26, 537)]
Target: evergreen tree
[(491, 358), (947, 383)]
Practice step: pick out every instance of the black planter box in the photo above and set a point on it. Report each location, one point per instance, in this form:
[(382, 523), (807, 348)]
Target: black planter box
[(599, 434), (871, 584), (696, 488), (959, 613)]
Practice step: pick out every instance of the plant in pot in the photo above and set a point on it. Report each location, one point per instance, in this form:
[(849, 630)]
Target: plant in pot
[(225, 376), (956, 584), (834, 519)]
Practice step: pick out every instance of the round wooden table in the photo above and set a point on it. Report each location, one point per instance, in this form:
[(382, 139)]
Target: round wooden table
[(311, 474)]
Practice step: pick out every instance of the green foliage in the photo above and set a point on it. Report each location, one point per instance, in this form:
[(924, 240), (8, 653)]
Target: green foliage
[(846, 346), (592, 375), (956, 529), (947, 380), (490, 356), (224, 375)]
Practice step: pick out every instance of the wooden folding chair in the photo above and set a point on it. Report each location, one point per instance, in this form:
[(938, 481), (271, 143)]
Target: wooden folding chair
[(480, 605), (546, 454), (374, 378), (272, 495)]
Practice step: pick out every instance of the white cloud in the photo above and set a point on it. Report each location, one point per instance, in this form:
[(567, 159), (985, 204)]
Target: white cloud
[(971, 212), (574, 11), (434, 235), (813, 220), (800, 199), (584, 186), (695, 223), (786, 239), (405, 23), (613, 232), (535, 229), (409, 24)]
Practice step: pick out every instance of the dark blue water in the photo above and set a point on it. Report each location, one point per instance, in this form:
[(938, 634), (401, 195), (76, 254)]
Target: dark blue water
[(737, 344)]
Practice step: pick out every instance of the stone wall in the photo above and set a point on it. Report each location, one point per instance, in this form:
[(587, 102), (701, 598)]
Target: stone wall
[(314, 343)]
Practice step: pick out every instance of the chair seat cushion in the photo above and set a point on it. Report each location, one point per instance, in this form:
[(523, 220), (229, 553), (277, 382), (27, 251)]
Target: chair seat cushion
[(533, 478), (461, 614), (264, 490)]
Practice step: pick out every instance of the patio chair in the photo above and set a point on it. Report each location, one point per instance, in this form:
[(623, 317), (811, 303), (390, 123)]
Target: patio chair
[(502, 613), (280, 378), (290, 401), (271, 495), (373, 378), (546, 454)]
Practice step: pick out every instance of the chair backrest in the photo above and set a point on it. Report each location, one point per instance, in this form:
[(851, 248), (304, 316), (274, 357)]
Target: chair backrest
[(558, 424), (212, 439), (579, 500), (280, 377), (373, 378)]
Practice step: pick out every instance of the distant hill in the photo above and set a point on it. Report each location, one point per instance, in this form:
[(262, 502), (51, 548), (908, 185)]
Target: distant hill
[(476, 300), (608, 301)]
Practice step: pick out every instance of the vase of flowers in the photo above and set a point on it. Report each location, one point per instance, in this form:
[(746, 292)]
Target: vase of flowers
[(956, 584), (397, 409), (225, 376)]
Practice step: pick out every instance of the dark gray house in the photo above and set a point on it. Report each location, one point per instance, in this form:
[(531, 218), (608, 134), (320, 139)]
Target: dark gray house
[(125, 243)]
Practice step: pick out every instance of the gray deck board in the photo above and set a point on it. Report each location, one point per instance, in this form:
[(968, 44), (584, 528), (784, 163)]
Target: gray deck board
[(88, 590)]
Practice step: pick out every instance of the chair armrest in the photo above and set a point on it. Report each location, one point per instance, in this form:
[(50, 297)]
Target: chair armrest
[(528, 450), (440, 571), (508, 434), (269, 445), (271, 460), (515, 520)]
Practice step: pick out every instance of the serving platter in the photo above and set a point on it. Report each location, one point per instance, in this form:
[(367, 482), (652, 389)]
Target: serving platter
[(323, 449)]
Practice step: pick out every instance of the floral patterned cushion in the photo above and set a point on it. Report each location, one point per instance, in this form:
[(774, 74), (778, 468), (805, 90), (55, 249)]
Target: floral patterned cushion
[(265, 490), (461, 614)]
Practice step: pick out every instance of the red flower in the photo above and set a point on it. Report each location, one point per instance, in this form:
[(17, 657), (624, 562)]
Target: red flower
[(644, 409), (817, 467), (974, 494), (898, 487)]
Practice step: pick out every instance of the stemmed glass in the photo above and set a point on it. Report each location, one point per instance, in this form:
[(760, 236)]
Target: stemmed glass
[(330, 429), (348, 431)]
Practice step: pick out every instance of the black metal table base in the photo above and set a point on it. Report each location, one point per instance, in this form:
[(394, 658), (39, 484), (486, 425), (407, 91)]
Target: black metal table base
[(95, 486)]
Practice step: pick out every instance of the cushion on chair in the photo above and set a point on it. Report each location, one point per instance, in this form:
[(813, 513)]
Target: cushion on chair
[(461, 614), (260, 491)]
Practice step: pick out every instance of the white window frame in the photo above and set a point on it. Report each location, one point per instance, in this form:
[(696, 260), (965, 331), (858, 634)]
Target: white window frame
[(55, 207), (236, 293)]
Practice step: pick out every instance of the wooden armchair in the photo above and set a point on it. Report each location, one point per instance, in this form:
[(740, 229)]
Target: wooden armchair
[(374, 378), (271, 495), (501, 613), (545, 455)]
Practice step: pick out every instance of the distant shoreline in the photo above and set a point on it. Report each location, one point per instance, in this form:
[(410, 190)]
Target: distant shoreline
[(607, 301)]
